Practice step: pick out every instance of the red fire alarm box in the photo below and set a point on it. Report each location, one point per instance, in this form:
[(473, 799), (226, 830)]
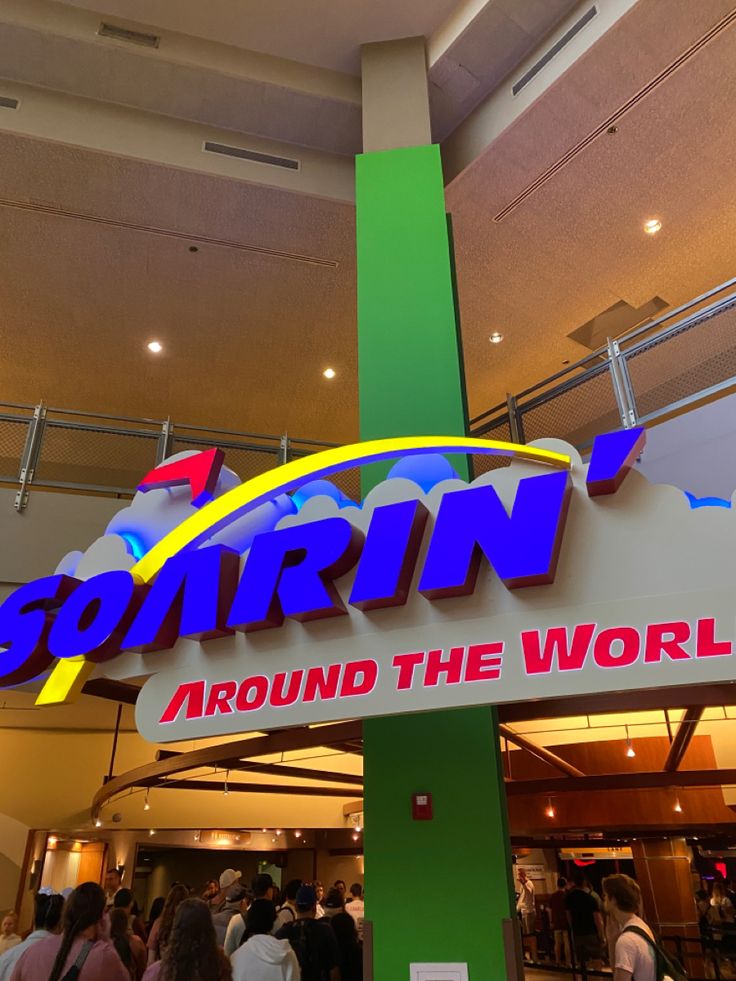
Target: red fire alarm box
[(421, 807)]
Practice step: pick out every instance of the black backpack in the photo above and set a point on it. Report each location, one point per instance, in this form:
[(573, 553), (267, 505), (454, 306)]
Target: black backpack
[(301, 938), (667, 968)]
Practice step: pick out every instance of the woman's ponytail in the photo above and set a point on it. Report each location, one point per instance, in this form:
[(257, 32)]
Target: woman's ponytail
[(85, 908)]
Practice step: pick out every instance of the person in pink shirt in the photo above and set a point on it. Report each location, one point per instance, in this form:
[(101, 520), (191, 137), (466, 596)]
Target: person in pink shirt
[(82, 944)]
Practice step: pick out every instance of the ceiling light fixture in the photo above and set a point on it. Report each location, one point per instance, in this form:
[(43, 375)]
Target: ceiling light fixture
[(630, 751), (146, 805), (297, 834), (549, 810), (329, 372), (678, 806), (98, 822), (52, 841), (151, 832), (155, 347), (495, 337), (356, 837), (225, 791), (652, 226)]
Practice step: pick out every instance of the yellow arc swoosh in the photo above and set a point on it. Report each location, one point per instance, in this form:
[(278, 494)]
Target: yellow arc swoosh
[(68, 676)]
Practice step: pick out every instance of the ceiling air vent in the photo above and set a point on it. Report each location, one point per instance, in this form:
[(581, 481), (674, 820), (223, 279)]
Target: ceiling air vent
[(615, 321), (7, 103), (130, 37), (242, 154), (554, 50), (605, 126)]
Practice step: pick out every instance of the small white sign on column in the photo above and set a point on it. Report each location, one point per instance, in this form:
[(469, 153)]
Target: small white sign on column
[(438, 972)]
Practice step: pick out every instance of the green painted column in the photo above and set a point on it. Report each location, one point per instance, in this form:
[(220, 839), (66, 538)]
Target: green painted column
[(436, 891)]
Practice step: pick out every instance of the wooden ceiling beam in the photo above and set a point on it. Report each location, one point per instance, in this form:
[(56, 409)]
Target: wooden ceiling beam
[(683, 735), (539, 752), (623, 781), (644, 700)]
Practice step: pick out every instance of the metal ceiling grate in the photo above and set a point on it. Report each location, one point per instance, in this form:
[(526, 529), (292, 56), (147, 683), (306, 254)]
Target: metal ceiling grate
[(127, 35), (241, 153), (7, 103), (554, 50)]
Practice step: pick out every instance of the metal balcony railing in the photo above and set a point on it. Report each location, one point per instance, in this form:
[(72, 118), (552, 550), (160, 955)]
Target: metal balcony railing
[(663, 367), (68, 450), (684, 358)]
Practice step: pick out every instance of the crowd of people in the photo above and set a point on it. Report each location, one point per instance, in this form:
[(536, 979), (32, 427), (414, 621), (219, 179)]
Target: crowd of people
[(230, 932), (582, 928)]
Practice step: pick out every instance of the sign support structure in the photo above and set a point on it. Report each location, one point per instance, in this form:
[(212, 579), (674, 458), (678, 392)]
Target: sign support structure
[(420, 873)]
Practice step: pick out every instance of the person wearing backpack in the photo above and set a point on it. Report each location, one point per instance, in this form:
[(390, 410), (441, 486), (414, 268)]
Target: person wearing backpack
[(287, 913), (637, 955), (312, 940), (82, 952)]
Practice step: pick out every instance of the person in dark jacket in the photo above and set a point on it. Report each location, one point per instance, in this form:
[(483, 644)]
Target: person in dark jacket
[(233, 899), (351, 951)]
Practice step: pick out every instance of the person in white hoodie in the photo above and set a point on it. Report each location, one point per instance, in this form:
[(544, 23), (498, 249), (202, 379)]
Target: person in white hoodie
[(262, 957)]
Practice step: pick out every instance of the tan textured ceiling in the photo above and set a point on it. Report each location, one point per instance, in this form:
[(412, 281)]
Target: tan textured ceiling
[(247, 336), (327, 33), (576, 245)]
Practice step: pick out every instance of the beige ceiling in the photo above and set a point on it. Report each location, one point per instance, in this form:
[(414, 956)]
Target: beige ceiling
[(575, 246), (247, 336), (326, 33)]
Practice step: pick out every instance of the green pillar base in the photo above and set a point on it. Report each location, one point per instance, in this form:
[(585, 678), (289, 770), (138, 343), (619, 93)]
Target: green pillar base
[(439, 890)]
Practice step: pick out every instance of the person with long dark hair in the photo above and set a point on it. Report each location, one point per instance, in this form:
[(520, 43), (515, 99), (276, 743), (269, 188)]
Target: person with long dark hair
[(81, 951), (157, 908), (158, 938), (128, 944), (192, 953), (351, 952), (119, 935), (46, 921)]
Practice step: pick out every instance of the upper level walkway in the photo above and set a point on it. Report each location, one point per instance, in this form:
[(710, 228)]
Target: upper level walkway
[(660, 369)]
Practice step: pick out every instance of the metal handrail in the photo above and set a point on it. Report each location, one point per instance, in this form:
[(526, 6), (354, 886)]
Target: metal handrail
[(165, 435), (613, 359)]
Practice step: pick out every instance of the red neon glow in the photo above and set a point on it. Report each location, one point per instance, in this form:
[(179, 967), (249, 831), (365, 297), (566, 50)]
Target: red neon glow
[(581, 864), (200, 472), (721, 867)]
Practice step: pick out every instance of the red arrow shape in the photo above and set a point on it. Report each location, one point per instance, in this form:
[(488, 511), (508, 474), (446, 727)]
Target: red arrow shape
[(200, 472)]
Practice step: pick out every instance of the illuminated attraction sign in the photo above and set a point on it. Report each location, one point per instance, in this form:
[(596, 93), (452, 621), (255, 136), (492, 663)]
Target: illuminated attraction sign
[(258, 609)]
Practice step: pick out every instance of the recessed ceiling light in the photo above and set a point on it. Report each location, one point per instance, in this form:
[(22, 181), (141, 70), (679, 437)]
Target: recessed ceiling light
[(652, 226), (329, 372), (495, 337), (155, 347)]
